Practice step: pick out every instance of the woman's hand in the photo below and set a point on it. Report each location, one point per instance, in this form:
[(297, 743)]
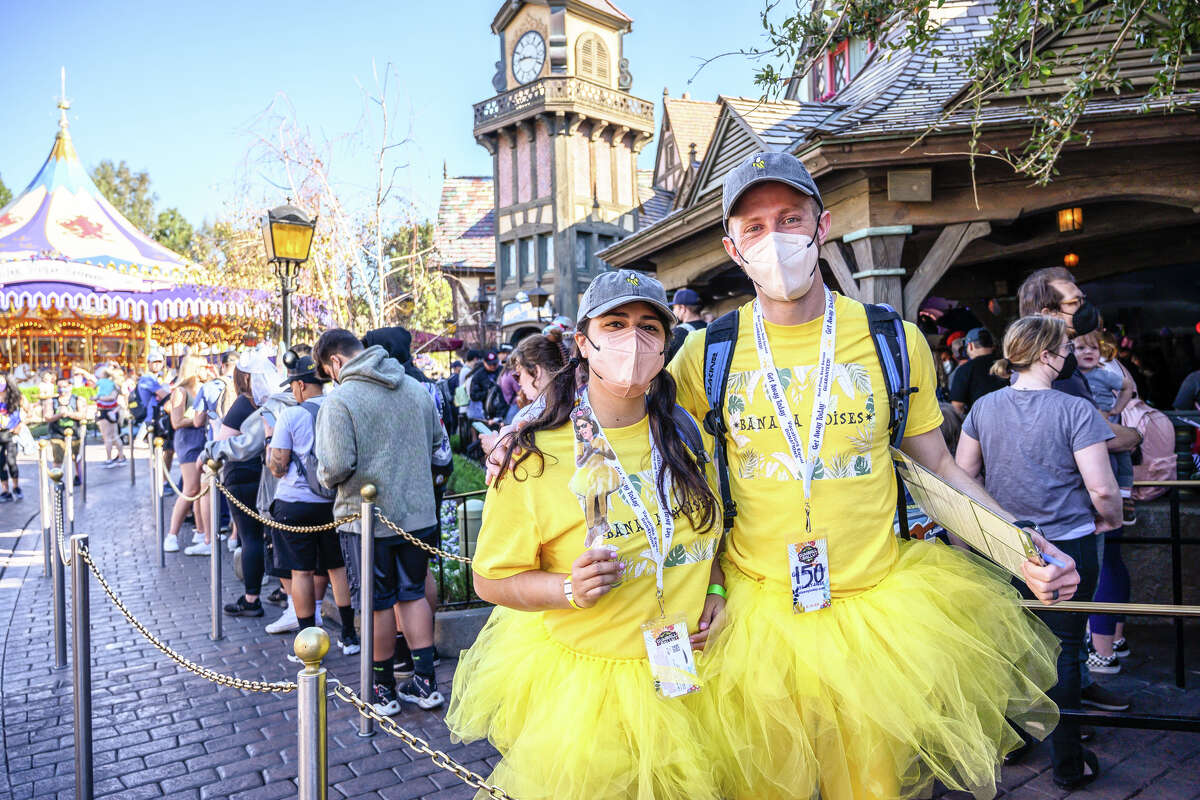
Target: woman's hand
[(495, 446), (711, 619), (593, 575), (1051, 584)]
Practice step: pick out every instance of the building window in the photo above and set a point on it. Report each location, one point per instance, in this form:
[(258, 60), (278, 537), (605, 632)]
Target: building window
[(506, 262), (524, 257), (544, 260), (591, 59), (831, 73), (584, 248), (603, 242)]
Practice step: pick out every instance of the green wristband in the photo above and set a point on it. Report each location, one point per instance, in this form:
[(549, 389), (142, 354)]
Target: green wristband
[(717, 589)]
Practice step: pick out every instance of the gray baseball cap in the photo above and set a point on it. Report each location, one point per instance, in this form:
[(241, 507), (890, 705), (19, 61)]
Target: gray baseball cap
[(611, 289), (762, 167)]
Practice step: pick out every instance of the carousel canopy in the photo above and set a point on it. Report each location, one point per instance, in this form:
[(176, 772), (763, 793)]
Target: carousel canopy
[(64, 246)]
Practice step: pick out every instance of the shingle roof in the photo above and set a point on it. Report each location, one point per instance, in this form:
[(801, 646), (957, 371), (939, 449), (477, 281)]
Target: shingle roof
[(691, 121), (655, 202), (466, 227), (608, 8), (780, 123)]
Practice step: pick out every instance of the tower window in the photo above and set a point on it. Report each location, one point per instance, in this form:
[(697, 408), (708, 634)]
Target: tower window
[(591, 59)]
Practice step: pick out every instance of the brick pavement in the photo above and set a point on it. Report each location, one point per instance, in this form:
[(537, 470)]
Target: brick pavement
[(162, 732)]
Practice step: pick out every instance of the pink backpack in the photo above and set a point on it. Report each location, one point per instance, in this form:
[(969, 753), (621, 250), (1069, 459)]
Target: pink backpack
[(1158, 447)]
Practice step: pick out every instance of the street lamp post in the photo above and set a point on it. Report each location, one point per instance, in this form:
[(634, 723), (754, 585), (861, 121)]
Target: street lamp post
[(287, 234)]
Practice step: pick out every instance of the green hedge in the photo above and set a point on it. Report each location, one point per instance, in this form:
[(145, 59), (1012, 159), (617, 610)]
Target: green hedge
[(468, 476)]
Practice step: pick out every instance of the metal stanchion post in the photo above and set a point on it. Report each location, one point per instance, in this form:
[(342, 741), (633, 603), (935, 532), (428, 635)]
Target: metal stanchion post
[(156, 497), (312, 770), (214, 558), (366, 583), (132, 463), (44, 500), (82, 463), (81, 657), (69, 477), (1177, 588), (60, 578)]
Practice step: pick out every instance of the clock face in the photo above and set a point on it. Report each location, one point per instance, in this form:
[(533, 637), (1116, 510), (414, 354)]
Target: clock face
[(528, 57)]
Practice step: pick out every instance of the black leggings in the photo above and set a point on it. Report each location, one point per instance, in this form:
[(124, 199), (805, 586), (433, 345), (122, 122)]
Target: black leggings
[(8, 460), (250, 536)]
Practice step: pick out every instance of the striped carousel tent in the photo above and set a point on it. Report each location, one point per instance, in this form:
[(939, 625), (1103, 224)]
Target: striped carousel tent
[(79, 283)]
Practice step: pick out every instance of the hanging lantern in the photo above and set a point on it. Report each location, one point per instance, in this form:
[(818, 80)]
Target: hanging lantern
[(1070, 261)]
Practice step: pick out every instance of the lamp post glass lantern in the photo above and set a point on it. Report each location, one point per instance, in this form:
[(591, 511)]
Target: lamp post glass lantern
[(287, 235)]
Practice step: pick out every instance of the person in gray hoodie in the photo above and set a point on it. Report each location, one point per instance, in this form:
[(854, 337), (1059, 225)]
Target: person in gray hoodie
[(379, 426)]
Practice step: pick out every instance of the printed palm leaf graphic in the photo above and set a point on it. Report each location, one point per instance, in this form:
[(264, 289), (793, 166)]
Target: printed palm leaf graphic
[(862, 466), (676, 556), (636, 481), (852, 378), (819, 469), (751, 461), (736, 404), (840, 466), (785, 377), (862, 438), (743, 383), (870, 406), (789, 464), (702, 549)]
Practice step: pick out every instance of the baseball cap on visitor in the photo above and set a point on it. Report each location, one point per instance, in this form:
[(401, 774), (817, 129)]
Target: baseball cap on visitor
[(685, 297), (762, 167), (981, 337), (302, 369), (154, 355), (611, 289), (491, 359)]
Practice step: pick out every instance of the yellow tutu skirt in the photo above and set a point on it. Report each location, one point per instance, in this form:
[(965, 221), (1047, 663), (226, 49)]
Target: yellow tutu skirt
[(878, 695), (572, 725)]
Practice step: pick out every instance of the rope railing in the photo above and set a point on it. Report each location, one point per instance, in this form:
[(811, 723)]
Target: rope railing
[(167, 474), (253, 514)]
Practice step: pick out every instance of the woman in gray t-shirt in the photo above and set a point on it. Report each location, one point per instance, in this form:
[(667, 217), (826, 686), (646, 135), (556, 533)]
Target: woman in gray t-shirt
[(1044, 456)]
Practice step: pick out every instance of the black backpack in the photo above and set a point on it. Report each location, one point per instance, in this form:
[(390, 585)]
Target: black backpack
[(494, 405), (887, 333), (136, 409), (307, 464)]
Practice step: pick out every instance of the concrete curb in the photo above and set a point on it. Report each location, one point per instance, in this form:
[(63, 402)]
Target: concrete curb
[(456, 630)]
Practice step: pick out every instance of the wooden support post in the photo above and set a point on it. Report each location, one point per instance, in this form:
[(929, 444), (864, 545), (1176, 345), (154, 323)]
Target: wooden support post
[(832, 252), (945, 251)]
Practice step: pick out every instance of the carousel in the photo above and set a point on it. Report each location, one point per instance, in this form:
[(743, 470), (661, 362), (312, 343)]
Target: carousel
[(79, 284)]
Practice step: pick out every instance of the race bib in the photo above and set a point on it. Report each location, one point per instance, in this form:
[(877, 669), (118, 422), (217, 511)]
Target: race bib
[(808, 564), (670, 652)]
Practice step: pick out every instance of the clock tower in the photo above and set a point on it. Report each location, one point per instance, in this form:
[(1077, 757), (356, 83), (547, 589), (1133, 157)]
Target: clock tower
[(564, 133)]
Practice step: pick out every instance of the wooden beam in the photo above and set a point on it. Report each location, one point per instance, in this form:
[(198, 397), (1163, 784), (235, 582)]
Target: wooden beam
[(945, 250), (831, 251)]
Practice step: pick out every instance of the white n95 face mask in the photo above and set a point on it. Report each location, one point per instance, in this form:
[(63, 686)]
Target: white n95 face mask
[(783, 265)]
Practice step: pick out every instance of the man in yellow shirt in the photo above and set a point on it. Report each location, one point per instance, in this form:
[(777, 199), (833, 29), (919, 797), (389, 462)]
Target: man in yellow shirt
[(814, 571)]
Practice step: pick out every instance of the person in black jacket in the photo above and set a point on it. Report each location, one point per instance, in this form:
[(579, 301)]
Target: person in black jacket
[(482, 381)]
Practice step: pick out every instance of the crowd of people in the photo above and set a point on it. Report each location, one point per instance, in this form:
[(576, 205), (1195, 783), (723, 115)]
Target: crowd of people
[(691, 529)]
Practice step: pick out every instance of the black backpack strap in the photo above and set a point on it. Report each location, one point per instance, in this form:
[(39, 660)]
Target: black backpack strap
[(720, 339), (312, 408), (887, 333), (891, 346)]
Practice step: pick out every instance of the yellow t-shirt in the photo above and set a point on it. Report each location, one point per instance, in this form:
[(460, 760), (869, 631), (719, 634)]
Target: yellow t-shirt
[(854, 485), (538, 523)]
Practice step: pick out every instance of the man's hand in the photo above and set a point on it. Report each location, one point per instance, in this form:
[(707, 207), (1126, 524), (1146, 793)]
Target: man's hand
[(711, 619), (593, 575), (1051, 584)]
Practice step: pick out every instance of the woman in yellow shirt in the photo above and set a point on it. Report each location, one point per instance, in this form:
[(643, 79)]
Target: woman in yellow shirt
[(584, 677)]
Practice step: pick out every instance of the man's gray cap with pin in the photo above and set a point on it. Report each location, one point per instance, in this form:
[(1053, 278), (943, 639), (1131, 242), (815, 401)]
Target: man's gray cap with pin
[(762, 167)]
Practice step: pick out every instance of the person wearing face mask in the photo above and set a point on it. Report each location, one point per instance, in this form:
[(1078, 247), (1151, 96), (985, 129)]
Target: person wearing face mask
[(1045, 458), (561, 679), (811, 692)]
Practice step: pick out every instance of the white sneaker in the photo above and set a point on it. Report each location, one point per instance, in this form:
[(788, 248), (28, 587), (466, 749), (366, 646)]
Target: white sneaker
[(286, 623), (231, 544), (171, 543), (200, 549), (197, 537)]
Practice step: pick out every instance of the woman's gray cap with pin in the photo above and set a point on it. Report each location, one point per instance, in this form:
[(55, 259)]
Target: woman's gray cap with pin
[(611, 289)]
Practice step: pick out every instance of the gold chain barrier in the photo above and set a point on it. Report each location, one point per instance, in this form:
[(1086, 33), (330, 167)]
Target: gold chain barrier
[(188, 497), (218, 678), (428, 548), (279, 525), (439, 758)]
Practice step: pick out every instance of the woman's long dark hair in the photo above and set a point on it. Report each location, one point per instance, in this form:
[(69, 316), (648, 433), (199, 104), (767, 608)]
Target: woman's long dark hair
[(11, 393), (691, 490)]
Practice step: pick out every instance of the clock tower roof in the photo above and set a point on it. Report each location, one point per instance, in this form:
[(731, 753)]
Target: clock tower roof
[(601, 10)]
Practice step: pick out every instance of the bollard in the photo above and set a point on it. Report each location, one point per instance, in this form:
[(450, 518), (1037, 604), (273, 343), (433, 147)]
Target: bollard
[(132, 463), (60, 578), (44, 500), (81, 657), (69, 477), (156, 497), (312, 769), (366, 603), (82, 464), (214, 558)]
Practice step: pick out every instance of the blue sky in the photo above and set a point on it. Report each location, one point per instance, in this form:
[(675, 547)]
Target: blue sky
[(171, 88)]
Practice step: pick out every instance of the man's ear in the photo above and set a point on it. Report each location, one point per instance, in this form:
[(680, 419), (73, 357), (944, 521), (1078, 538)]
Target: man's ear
[(731, 250), (823, 223)]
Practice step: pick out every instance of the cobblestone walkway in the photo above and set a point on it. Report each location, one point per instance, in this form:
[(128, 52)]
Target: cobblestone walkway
[(162, 732)]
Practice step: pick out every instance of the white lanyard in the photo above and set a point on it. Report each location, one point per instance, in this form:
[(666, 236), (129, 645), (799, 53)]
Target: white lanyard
[(774, 390), (658, 549)]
